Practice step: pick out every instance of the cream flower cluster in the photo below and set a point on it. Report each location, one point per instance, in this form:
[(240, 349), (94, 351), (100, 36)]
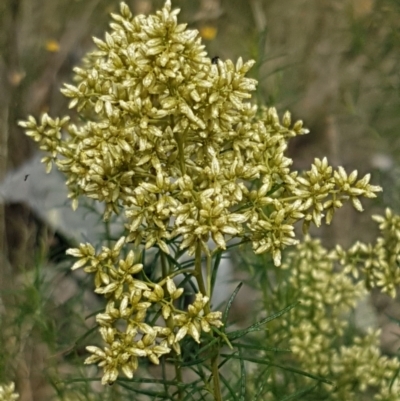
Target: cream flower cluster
[(7, 392), (317, 327), (173, 142), (170, 139), (129, 301), (379, 262)]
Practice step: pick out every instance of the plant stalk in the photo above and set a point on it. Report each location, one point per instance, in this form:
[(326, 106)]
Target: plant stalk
[(170, 324), (207, 309)]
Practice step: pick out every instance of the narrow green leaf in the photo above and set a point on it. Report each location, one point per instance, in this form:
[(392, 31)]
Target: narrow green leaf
[(259, 348), (150, 393), (256, 326), (288, 368), (221, 364), (78, 340), (231, 299), (242, 394), (207, 346), (261, 382), (194, 362), (218, 258), (233, 335), (230, 389), (194, 388)]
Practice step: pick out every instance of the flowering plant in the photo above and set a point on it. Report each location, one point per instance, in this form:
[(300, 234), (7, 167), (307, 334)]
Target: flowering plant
[(171, 141)]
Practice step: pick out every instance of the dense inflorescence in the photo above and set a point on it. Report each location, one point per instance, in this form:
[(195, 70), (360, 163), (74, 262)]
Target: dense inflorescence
[(379, 262), (321, 281), (172, 141)]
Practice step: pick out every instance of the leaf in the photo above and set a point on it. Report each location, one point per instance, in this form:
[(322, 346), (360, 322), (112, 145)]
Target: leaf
[(258, 348), (231, 299), (261, 381), (214, 274), (137, 390), (242, 377), (233, 335), (265, 361), (230, 389)]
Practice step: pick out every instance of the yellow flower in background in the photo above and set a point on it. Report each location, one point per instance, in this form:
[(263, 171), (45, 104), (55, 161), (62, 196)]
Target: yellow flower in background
[(208, 32), (52, 46)]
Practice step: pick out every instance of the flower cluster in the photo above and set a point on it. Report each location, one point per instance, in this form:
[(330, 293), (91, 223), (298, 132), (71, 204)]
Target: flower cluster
[(318, 325), (129, 301), (379, 262), (7, 392), (172, 141)]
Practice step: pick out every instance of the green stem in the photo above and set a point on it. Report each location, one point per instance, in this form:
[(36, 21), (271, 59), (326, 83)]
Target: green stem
[(201, 284), (170, 324), (177, 362), (207, 309), (199, 274), (208, 271), (216, 381)]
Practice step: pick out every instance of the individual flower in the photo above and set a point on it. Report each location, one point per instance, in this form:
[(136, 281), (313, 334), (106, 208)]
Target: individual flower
[(195, 320)]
